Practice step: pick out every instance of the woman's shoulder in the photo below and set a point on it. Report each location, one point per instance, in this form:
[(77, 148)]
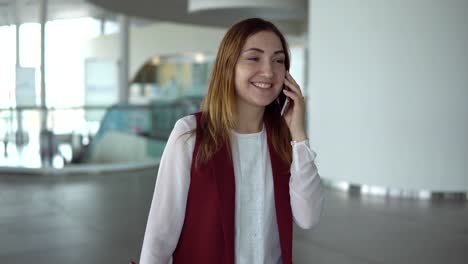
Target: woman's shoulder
[(186, 124)]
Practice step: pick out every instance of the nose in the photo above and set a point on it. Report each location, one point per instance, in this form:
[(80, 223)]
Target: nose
[(267, 69)]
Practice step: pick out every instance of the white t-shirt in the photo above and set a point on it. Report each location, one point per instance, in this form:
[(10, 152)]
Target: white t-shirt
[(256, 231)]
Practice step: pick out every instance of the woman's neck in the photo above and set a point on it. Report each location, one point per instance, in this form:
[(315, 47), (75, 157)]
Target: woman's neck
[(250, 120)]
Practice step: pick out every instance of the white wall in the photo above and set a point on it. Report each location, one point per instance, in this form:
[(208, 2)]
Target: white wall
[(388, 92), (156, 39)]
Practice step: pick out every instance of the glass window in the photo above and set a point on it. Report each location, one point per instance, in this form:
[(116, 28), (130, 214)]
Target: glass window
[(7, 65)]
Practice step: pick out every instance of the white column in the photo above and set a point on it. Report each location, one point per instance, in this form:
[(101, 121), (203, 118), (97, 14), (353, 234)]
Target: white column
[(43, 19), (46, 151), (102, 28), (17, 23), (19, 114), (124, 59)]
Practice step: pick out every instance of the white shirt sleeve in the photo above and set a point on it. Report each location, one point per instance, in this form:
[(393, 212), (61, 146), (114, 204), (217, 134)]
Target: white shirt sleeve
[(305, 187), (167, 212)]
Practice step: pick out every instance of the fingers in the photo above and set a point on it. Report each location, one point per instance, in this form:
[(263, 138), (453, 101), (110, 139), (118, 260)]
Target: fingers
[(293, 95), (293, 89), (290, 78), (292, 84)]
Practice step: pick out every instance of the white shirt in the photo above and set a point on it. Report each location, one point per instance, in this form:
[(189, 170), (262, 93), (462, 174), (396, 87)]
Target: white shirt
[(256, 231)]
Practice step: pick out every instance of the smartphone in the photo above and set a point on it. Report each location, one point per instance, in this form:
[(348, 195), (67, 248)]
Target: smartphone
[(283, 101)]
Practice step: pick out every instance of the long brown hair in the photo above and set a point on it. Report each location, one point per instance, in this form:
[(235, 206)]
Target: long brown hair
[(219, 105)]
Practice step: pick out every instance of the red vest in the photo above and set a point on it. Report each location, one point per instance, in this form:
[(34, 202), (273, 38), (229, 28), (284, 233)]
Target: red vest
[(208, 232)]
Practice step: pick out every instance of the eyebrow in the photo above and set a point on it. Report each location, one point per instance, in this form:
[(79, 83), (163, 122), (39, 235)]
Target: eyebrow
[(262, 51)]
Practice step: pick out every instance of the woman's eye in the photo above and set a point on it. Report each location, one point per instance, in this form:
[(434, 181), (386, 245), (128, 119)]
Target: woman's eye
[(253, 59), (280, 61)]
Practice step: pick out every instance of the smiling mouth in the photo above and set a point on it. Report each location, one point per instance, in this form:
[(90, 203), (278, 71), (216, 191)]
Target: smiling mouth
[(262, 85)]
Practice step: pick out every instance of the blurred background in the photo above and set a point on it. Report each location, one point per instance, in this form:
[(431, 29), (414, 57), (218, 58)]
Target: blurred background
[(90, 90)]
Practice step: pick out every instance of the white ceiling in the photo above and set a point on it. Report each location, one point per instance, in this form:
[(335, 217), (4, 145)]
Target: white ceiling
[(143, 11), (177, 11)]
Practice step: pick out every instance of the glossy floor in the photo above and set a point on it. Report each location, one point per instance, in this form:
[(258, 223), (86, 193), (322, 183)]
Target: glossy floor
[(101, 219)]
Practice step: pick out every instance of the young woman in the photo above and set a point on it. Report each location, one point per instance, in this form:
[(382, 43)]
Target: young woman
[(234, 176)]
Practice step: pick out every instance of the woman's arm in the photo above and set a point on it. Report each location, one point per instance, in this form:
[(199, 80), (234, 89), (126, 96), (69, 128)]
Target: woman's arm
[(305, 187), (167, 211)]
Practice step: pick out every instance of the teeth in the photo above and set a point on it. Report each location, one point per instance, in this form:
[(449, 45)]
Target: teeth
[(262, 85)]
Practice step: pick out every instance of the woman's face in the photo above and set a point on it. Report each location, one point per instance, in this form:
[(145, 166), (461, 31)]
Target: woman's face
[(260, 70)]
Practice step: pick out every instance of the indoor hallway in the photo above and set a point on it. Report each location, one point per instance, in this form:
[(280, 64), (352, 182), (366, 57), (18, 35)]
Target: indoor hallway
[(98, 218)]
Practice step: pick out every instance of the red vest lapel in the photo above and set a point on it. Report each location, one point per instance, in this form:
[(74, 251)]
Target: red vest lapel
[(223, 171)]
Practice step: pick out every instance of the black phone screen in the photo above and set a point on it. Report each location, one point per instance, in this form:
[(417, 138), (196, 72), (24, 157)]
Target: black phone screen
[(281, 98)]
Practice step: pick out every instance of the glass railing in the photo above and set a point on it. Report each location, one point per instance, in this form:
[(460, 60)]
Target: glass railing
[(73, 132), (20, 132)]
